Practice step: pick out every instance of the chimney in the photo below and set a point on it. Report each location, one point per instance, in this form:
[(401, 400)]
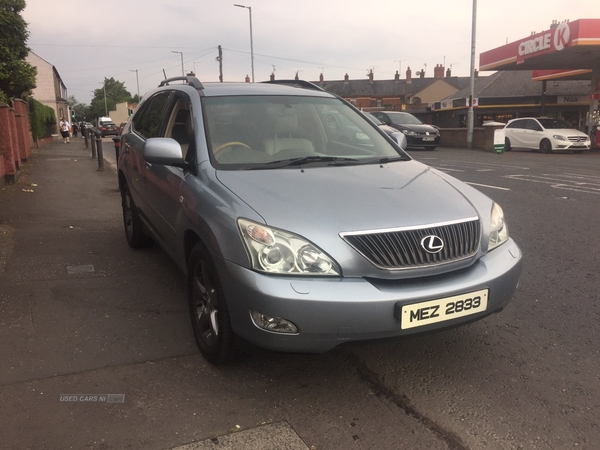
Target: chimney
[(371, 75), (346, 78), (247, 79), (408, 75), (397, 77), (296, 77), (438, 72), (448, 72), (321, 78), (421, 74), (272, 76)]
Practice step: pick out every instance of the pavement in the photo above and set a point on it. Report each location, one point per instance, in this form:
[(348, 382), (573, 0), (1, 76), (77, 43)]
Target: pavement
[(95, 347)]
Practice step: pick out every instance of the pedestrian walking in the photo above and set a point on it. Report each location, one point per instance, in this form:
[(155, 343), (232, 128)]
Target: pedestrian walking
[(75, 128), (64, 130)]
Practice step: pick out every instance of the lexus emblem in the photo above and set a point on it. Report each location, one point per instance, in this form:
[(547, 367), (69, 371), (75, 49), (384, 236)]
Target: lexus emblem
[(432, 244)]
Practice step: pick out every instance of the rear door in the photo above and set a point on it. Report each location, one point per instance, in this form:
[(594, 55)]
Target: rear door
[(145, 124), (163, 183), (534, 133), (515, 131)]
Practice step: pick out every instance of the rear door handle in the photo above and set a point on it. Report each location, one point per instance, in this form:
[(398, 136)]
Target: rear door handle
[(148, 165)]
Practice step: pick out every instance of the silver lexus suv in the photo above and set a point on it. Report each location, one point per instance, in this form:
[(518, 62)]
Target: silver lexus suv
[(297, 232)]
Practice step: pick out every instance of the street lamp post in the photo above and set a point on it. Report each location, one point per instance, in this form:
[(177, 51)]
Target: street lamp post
[(137, 80), (105, 104), (194, 64), (182, 71), (470, 115), (249, 8)]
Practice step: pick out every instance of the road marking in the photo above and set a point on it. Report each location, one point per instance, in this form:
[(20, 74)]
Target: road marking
[(445, 169), (485, 170), (488, 186), (558, 182)]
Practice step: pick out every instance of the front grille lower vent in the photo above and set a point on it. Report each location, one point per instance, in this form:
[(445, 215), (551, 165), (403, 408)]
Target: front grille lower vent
[(401, 249)]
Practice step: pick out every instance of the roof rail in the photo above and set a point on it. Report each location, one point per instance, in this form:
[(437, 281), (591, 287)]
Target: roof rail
[(297, 83), (192, 81)]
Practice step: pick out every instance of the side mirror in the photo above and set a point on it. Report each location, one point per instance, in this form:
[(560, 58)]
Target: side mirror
[(165, 151)]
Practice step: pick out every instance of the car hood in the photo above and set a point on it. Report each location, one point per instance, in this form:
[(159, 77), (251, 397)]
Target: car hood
[(320, 203), (349, 198), (424, 128), (566, 131)]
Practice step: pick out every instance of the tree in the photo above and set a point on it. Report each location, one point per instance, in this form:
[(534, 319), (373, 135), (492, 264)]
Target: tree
[(17, 77), (115, 93), (80, 109)]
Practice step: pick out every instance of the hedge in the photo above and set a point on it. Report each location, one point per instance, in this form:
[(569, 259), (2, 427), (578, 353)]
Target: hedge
[(42, 119)]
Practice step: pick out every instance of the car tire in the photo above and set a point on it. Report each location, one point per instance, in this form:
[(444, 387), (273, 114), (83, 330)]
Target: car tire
[(432, 147), (132, 222), (211, 323), (545, 146), (507, 147)]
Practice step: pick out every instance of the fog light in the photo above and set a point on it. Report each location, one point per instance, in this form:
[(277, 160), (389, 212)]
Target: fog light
[(274, 324)]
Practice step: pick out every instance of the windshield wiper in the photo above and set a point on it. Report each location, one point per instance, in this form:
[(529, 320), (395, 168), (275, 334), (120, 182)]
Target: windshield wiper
[(309, 159), (387, 159)]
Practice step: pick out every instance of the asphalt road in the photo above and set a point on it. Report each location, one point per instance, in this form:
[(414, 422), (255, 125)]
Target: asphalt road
[(81, 313)]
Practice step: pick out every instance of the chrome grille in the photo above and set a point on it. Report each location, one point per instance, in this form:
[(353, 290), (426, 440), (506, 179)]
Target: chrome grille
[(401, 248), (577, 138)]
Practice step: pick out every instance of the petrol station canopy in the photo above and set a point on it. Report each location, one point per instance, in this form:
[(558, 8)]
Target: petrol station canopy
[(568, 50)]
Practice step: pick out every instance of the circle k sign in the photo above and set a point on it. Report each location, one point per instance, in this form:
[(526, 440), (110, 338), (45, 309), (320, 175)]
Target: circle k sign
[(562, 36)]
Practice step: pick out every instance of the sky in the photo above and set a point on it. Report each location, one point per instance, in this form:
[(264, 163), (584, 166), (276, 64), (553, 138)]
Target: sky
[(88, 40)]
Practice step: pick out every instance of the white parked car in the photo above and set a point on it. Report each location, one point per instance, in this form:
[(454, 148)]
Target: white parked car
[(544, 134)]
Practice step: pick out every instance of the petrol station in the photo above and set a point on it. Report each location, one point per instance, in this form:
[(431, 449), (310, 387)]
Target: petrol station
[(566, 51)]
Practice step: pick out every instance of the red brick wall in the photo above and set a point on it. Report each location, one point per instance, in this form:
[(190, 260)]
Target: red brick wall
[(22, 122), (13, 143)]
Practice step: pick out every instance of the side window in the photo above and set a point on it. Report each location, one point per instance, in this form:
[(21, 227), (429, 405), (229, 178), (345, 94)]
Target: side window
[(179, 125), (149, 123), (533, 125), (518, 124), (381, 117)]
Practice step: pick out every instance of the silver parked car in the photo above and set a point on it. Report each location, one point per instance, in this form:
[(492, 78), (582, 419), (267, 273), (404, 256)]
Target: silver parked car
[(295, 236), (544, 134)]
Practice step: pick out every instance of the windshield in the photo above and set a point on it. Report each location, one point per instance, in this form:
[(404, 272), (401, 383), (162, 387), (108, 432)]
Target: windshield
[(404, 119), (554, 124), (267, 132), (374, 119)]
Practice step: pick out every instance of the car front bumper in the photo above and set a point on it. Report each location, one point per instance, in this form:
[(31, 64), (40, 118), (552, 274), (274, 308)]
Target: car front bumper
[(422, 140), (333, 311)]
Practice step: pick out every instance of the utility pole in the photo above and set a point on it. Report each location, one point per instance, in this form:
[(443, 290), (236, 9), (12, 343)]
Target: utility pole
[(220, 59)]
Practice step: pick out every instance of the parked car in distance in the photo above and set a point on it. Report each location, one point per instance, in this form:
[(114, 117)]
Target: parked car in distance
[(109, 129), (418, 134), (544, 134), (293, 239), (121, 126), (85, 126), (396, 135)]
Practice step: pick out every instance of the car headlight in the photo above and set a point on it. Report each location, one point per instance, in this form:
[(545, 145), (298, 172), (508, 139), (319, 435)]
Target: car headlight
[(558, 137), (498, 228), (276, 251), (409, 132)]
